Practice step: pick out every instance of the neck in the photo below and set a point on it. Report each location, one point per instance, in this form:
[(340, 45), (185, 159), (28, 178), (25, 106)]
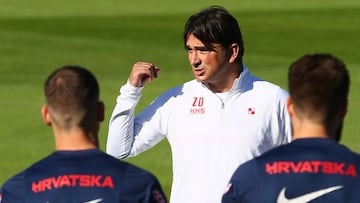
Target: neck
[(225, 80), (73, 140), (308, 129)]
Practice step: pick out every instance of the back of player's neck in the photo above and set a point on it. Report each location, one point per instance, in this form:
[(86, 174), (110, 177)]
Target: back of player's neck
[(309, 130)]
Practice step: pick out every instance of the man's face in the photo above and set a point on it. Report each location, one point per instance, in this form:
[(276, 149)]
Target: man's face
[(207, 64)]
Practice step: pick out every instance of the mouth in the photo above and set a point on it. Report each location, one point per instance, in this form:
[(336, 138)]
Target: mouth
[(198, 71)]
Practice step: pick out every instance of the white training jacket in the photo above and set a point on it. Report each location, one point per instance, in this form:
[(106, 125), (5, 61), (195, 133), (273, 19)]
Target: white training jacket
[(209, 136)]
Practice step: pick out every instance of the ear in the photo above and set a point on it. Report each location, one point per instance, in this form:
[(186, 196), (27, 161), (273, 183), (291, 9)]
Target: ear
[(101, 111), (290, 107), (45, 115), (234, 50)]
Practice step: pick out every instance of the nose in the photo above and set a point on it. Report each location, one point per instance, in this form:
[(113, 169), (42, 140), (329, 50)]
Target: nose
[(194, 59), (195, 65)]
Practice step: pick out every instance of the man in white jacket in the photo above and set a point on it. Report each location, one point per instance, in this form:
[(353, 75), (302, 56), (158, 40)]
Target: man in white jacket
[(222, 118)]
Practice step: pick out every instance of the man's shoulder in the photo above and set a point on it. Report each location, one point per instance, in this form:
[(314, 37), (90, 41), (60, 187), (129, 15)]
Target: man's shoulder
[(252, 83), (91, 161), (130, 170), (186, 85), (256, 165), (13, 188), (17, 179), (180, 90)]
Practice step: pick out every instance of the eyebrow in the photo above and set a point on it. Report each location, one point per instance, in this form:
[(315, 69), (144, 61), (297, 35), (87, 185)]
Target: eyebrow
[(196, 47), (199, 48)]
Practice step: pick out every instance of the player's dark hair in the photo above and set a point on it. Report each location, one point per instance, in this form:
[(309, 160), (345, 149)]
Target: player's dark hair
[(71, 90), (215, 25), (319, 86)]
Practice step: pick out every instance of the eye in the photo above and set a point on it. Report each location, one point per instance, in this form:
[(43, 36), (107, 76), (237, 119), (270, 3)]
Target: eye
[(188, 50), (204, 50)]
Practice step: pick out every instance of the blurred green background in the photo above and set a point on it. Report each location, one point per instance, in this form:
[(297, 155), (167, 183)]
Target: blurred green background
[(109, 36)]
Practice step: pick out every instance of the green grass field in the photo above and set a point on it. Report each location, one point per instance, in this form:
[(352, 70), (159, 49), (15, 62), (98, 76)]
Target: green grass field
[(109, 36)]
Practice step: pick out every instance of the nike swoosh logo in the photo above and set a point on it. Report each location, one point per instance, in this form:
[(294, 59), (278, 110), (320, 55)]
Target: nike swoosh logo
[(95, 201), (306, 197)]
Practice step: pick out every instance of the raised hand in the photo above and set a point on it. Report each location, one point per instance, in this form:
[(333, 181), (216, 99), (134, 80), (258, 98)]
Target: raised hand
[(142, 73)]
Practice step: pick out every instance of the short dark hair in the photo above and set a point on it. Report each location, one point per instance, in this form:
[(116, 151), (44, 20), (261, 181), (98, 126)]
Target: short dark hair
[(318, 85), (215, 25), (71, 92)]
